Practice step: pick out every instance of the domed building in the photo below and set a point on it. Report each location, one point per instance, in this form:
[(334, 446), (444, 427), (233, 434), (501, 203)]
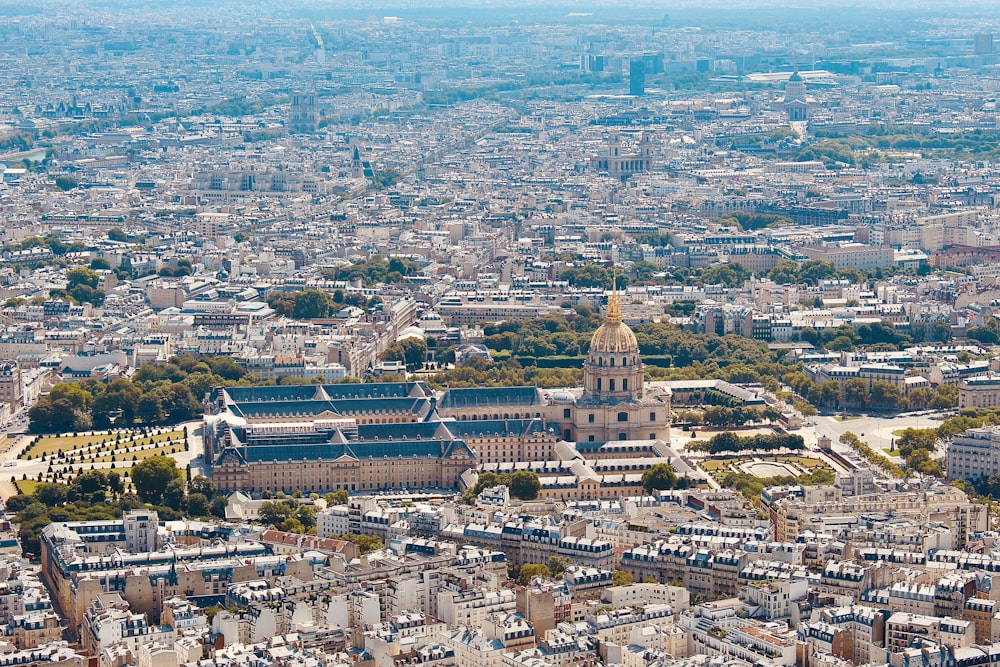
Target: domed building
[(795, 102), (613, 370), (614, 404)]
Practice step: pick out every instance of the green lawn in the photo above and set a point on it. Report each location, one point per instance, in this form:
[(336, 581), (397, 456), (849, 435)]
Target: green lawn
[(62, 443), (804, 461), (67, 443), (719, 468), (144, 454), (26, 486)]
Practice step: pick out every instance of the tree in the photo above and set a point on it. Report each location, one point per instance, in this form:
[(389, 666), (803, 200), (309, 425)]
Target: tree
[(90, 482), (66, 183), (785, 272), (366, 543), (116, 234), (50, 494), (414, 352), (152, 476), (885, 394), (525, 485), (312, 304), (856, 392), (292, 525), (48, 416), (659, 477), (118, 403), (173, 495), (219, 507), (912, 439), (730, 275), (80, 398), (203, 485), (530, 571), (18, 503), (82, 284), (226, 368), (197, 504), (622, 578), (274, 512), (983, 335), (338, 497), (558, 564), (830, 394), (150, 408), (115, 485)]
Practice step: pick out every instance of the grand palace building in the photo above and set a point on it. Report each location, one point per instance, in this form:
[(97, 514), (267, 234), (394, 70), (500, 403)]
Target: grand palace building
[(593, 440)]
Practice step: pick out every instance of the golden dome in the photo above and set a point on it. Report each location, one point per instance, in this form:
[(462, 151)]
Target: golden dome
[(614, 336)]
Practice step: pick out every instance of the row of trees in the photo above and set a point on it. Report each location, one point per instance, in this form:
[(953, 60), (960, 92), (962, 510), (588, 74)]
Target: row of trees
[(158, 393), (881, 395), (761, 442), (720, 415), (864, 450)]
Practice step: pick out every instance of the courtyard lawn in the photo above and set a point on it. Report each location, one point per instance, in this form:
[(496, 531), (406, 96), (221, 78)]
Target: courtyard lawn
[(719, 468)]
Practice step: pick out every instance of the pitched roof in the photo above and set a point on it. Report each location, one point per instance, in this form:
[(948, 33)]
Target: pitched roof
[(481, 428), (287, 408), (491, 397)]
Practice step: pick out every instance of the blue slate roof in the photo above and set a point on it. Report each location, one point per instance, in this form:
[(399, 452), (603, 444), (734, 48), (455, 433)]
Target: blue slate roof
[(304, 408), (333, 391), (377, 389), (491, 427), (491, 397), (296, 452)]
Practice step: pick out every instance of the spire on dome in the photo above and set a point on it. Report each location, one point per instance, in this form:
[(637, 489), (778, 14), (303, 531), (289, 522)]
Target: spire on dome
[(614, 304)]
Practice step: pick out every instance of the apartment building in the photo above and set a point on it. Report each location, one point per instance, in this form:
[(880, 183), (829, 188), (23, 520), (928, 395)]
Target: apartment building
[(974, 454)]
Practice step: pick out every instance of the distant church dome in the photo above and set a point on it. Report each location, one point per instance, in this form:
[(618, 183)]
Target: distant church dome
[(614, 336), (796, 77)]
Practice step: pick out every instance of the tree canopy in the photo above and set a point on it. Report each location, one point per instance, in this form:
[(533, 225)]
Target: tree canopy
[(152, 477)]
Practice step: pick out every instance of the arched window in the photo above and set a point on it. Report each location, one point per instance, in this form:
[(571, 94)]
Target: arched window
[(622, 436), (623, 416), (624, 384), (611, 362), (611, 384), (624, 361), (598, 384)]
